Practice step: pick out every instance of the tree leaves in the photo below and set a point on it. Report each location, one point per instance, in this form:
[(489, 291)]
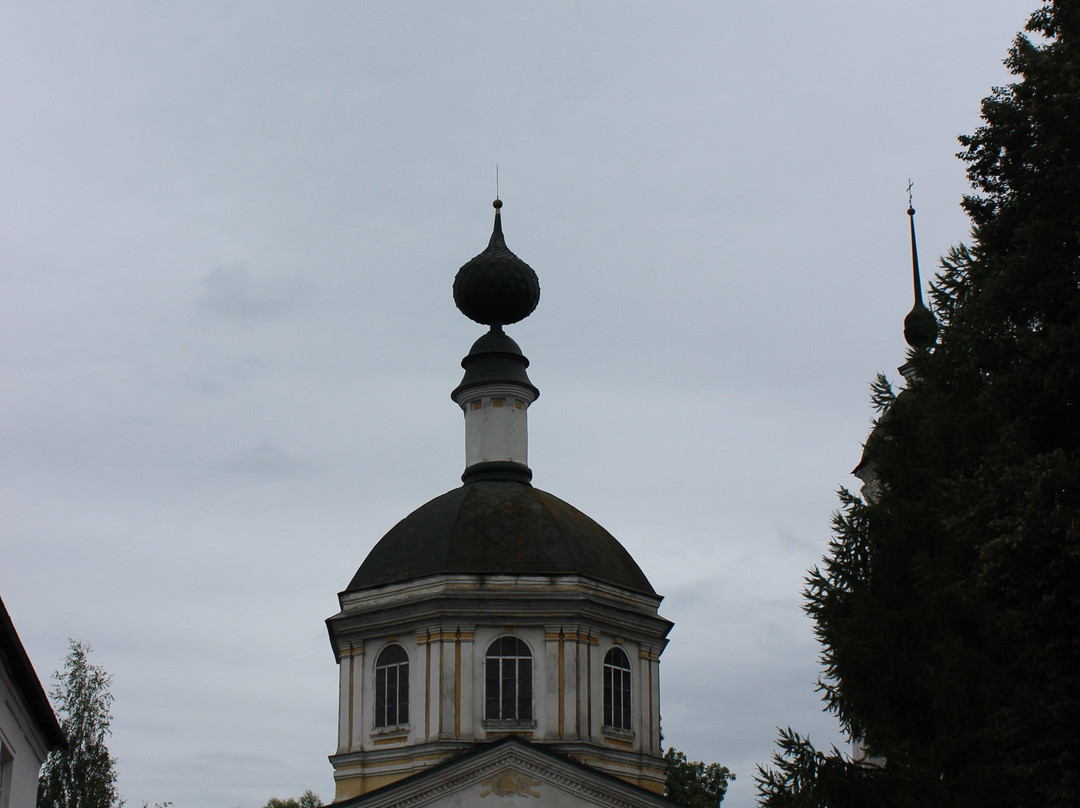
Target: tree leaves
[(947, 606), (83, 775), (693, 783)]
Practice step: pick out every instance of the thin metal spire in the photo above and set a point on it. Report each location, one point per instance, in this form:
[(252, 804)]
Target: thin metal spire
[(920, 327), (914, 249)]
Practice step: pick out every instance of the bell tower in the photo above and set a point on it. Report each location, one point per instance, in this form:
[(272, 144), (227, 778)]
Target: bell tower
[(497, 609)]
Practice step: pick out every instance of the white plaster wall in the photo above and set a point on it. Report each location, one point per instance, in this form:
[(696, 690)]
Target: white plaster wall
[(583, 692), (434, 696), (497, 429), (436, 692), (471, 670), (364, 731), (428, 719), (345, 669), (23, 742), (353, 704)]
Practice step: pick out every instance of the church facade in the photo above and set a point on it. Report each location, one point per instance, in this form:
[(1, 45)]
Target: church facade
[(497, 641)]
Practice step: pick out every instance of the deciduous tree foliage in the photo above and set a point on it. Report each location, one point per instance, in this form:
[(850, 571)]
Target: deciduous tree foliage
[(948, 608), (83, 775), (693, 783), (309, 799)]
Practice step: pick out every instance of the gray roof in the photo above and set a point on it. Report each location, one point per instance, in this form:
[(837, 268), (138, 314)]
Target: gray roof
[(498, 527)]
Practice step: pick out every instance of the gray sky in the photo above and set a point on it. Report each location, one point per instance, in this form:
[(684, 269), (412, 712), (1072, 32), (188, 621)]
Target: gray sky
[(227, 240)]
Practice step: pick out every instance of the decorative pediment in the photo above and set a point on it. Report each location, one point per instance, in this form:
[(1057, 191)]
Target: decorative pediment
[(509, 774)]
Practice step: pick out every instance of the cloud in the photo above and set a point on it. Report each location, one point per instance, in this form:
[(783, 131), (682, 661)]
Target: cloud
[(213, 379), (263, 461), (232, 293)]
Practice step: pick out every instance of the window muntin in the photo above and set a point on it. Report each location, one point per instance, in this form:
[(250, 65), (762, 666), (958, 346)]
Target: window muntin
[(617, 690), (392, 687), (508, 683)]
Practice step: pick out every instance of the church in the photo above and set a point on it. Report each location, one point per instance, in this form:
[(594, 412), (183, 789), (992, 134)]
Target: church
[(498, 644)]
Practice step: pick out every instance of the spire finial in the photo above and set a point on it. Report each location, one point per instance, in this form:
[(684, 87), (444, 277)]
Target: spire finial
[(920, 327), (497, 186), (914, 249)]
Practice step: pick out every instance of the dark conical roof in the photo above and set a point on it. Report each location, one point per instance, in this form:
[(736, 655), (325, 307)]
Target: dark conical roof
[(496, 287), (497, 527)]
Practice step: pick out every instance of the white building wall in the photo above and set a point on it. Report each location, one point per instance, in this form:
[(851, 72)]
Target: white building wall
[(447, 690), (496, 424), (22, 747)]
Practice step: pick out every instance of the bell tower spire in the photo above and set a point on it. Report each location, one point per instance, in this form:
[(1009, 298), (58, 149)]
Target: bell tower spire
[(496, 288), (920, 327)]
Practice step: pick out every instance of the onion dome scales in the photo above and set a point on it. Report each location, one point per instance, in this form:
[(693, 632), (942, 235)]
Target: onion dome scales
[(496, 287)]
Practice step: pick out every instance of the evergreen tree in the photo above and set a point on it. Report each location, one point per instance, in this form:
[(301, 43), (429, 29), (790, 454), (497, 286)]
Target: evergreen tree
[(948, 607), (83, 775)]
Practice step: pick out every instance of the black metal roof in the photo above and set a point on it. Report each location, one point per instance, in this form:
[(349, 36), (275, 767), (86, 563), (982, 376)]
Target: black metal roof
[(496, 287), (498, 527), (495, 358)]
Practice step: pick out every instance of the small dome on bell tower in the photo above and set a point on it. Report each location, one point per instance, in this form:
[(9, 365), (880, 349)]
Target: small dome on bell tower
[(496, 287)]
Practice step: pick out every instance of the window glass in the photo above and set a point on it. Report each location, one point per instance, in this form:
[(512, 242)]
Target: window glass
[(508, 683), (617, 690), (392, 687)]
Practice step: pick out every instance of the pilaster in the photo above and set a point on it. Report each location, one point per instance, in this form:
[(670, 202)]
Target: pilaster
[(583, 644), (467, 715), (552, 695), (427, 642), (352, 711), (596, 688), (650, 699), (450, 681)]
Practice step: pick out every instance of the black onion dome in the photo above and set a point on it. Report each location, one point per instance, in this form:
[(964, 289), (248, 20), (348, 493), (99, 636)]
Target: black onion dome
[(496, 527), (496, 287), (920, 327)]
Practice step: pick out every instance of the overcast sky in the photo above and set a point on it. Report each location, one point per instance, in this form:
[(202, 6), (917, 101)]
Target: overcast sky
[(227, 339)]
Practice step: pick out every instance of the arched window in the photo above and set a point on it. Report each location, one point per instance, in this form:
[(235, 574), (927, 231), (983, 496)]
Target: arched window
[(392, 687), (508, 684), (616, 690)]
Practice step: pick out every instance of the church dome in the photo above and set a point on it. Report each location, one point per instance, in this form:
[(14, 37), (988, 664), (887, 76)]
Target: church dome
[(498, 527), (496, 287)]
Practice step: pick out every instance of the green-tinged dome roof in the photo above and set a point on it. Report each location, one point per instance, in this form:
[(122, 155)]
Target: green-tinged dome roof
[(498, 527)]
